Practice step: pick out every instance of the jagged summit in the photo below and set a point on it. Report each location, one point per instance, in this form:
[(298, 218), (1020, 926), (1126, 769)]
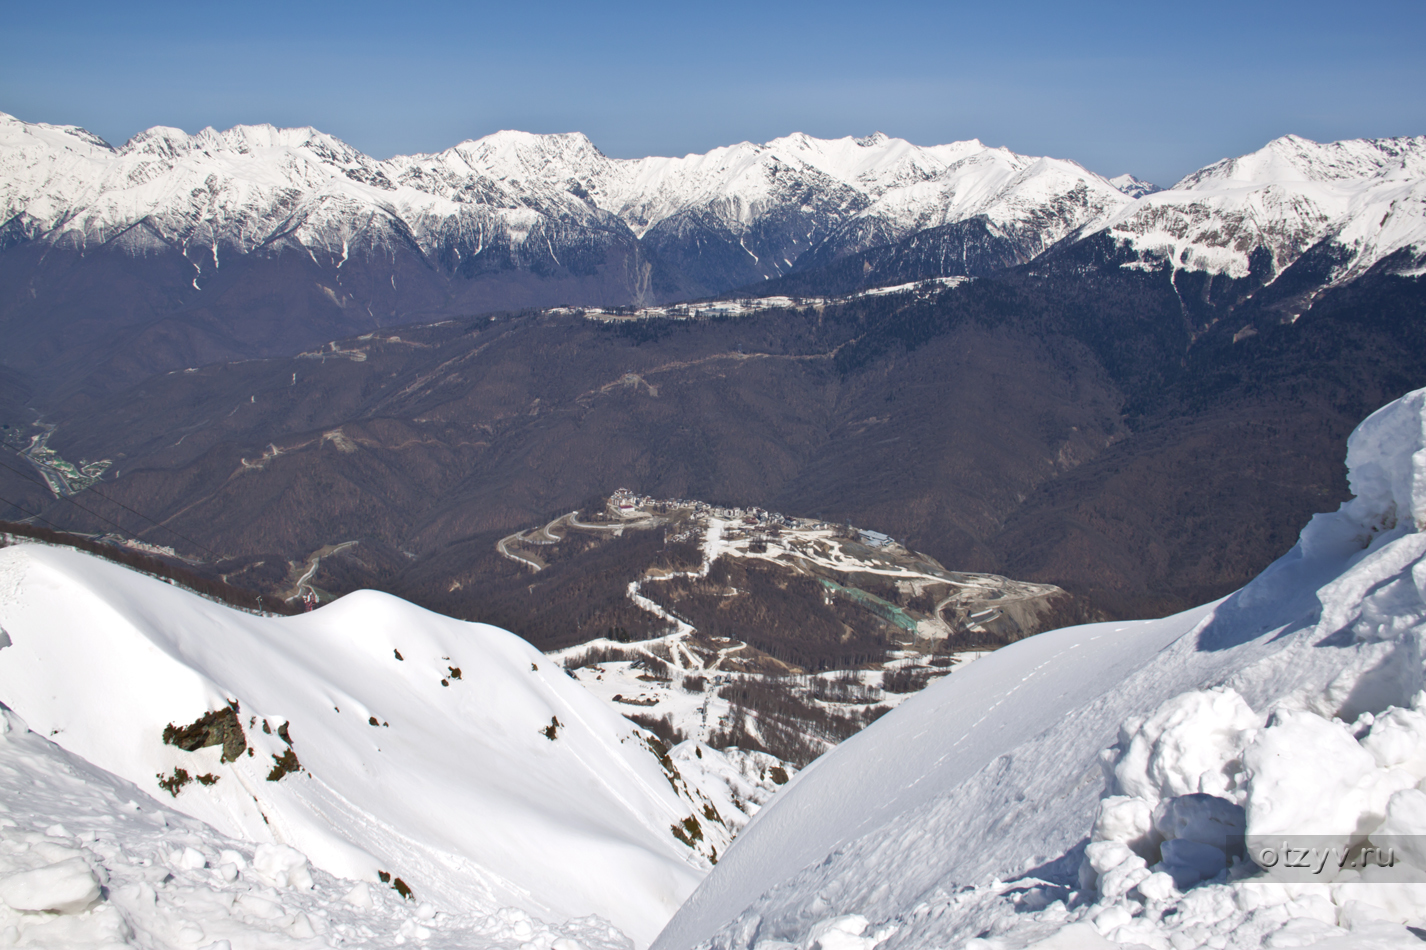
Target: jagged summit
[(1339, 208), (766, 204), (1294, 158), (1134, 187)]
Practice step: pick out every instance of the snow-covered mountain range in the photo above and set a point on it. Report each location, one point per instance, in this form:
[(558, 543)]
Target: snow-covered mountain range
[(176, 250), (551, 203), (544, 203), (1338, 208)]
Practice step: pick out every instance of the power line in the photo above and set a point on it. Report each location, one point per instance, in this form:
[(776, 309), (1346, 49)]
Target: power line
[(96, 514), (96, 491), (35, 516), (65, 497)]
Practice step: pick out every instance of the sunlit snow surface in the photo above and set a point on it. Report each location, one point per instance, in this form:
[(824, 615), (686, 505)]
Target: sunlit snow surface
[(1064, 788), (1078, 789), (254, 188), (171, 881), (249, 189), (457, 788), (1365, 197)]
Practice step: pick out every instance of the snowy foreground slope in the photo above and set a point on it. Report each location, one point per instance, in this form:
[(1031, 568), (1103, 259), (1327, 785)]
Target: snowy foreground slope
[(449, 755), (1092, 786), (87, 860)]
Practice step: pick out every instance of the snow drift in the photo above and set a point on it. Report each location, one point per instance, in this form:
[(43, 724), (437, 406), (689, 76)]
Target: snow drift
[(379, 740), (1136, 783)]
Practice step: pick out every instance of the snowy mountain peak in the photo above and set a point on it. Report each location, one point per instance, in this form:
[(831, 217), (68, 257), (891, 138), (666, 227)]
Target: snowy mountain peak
[(528, 152), (1293, 158), (254, 189), (161, 140), (1134, 187), (556, 206), (11, 126), (1355, 201)]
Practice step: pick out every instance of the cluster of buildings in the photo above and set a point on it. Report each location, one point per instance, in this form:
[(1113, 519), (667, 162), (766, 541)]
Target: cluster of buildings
[(627, 504), (697, 311)]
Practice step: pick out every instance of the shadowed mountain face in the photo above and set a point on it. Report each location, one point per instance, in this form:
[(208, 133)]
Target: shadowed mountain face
[(1072, 422), (101, 320)]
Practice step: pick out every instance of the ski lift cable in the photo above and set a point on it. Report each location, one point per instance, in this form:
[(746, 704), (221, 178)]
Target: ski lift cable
[(96, 514), (34, 515)]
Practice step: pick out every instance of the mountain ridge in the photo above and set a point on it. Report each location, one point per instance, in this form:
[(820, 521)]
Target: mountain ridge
[(174, 250)]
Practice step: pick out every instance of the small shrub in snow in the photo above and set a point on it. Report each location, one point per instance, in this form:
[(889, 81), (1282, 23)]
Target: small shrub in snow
[(688, 831), (397, 885)]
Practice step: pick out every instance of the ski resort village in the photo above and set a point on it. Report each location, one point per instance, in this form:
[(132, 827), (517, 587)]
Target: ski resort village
[(696, 673)]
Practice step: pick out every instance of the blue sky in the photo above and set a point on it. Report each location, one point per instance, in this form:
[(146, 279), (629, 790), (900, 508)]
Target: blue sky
[(1155, 89)]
